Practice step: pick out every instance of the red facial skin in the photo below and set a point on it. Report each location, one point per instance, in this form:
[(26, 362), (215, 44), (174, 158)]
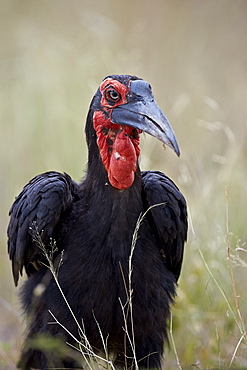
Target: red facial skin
[(118, 144)]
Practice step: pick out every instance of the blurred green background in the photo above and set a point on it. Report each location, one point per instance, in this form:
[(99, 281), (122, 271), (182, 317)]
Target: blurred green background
[(54, 54)]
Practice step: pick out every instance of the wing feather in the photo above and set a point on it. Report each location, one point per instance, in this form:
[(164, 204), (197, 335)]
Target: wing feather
[(43, 201), (169, 219)]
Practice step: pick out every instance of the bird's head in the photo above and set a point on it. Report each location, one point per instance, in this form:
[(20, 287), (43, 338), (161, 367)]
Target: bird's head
[(121, 109)]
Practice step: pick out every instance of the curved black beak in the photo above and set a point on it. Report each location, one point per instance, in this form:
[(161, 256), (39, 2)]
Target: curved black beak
[(142, 112)]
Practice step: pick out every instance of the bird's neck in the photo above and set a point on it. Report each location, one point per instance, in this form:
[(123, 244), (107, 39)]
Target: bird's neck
[(97, 180), (111, 214), (98, 192), (119, 149)]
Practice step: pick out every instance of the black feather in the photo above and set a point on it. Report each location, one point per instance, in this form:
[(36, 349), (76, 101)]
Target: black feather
[(42, 202)]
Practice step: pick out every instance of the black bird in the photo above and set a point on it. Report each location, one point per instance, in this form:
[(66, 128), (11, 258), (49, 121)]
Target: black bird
[(115, 241)]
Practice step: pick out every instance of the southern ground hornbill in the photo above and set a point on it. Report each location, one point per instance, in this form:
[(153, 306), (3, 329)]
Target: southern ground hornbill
[(117, 272)]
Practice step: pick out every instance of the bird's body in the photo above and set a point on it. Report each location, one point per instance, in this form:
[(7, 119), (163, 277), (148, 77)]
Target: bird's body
[(119, 287)]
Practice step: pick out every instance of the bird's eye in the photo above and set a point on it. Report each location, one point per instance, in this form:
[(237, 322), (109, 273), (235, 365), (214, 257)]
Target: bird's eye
[(113, 95)]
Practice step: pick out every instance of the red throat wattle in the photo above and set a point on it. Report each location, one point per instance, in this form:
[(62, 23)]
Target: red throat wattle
[(119, 150)]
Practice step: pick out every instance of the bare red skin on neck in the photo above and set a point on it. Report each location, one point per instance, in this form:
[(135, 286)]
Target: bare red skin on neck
[(119, 150), (123, 160)]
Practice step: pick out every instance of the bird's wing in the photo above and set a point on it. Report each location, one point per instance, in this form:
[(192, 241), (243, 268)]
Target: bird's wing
[(168, 217), (40, 205)]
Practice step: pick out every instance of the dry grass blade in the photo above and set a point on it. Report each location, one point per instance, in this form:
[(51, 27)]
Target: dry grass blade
[(85, 348), (37, 238), (173, 344), (130, 292)]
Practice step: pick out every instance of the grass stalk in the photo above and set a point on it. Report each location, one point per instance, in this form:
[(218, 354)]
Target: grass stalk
[(133, 244), (37, 238), (173, 344), (240, 322)]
